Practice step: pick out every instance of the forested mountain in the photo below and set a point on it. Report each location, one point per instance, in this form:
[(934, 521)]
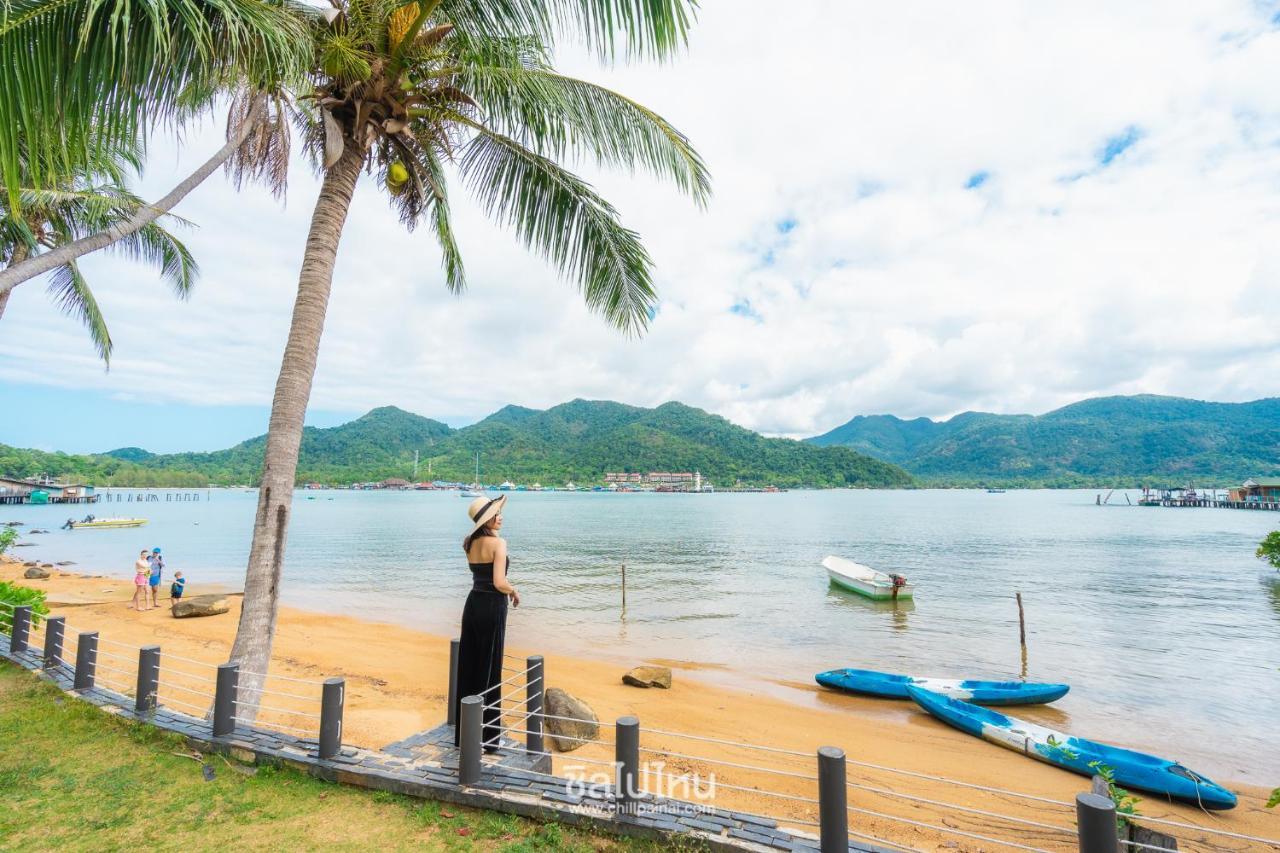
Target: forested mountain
[(1135, 440), (577, 441)]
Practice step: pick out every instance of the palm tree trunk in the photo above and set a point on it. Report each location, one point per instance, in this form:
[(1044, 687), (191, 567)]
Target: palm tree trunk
[(20, 252), (16, 273), (257, 628)]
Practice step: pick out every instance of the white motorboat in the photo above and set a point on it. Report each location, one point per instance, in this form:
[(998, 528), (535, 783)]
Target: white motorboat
[(865, 580)]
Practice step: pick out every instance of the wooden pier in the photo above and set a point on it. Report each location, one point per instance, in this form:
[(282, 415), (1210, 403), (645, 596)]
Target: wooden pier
[(1214, 503), (1253, 494)]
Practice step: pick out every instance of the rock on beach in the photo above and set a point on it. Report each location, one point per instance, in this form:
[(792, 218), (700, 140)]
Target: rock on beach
[(649, 676), (200, 605), (36, 573), (568, 735)]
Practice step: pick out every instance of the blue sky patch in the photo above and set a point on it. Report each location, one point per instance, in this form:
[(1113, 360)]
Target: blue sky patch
[(743, 309), (1118, 144), (977, 179)]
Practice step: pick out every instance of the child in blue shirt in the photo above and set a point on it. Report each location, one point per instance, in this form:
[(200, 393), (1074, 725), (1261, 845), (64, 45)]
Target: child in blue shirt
[(176, 588)]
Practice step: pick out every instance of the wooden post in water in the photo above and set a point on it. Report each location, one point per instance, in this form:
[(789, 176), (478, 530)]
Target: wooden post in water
[(1022, 633), (624, 586)]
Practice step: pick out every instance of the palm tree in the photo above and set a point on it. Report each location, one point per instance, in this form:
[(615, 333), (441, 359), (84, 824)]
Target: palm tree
[(402, 91), (84, 79), (50, 218)]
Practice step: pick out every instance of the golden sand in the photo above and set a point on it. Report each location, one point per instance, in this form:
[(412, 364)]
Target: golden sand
[(397, 685)]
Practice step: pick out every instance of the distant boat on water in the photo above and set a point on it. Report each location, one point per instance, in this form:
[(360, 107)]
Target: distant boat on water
[(105, 523), (866, 581), (995, 491)]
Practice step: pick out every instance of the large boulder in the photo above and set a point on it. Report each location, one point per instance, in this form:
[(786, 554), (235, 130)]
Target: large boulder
[(36, 573), (568, 735), (649, 676), (201, 605)]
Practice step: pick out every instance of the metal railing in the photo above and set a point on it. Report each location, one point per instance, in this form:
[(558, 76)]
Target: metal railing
[(200, 690), (812, 789)]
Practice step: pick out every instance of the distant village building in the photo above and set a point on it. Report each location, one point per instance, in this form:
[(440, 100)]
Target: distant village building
[(395, 483), (664, 481), (1263, 491), (44, 490)]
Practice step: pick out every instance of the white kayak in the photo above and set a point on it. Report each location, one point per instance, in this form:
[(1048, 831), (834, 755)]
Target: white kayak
[(865, 580)]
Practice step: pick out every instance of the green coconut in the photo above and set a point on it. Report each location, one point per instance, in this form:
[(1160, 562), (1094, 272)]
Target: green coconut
[(397, 177)]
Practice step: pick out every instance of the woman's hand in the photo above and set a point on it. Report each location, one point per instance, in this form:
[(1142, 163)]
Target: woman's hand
[(515, 597)]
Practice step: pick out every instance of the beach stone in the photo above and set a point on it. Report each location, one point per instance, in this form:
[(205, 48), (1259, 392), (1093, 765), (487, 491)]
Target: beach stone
[(35, 573), (568, 735), (29, 563), (201, 605), (649, 676), (66, 563), (32, 532)]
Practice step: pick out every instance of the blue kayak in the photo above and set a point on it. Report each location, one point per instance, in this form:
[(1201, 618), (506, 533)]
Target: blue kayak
[(891, 686), (1135, 770)]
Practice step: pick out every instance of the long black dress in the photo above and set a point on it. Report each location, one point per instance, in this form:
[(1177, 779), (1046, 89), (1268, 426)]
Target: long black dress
[(484, 634)]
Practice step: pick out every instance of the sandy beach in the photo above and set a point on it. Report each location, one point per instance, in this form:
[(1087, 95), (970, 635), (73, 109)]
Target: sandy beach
[(397, 685)]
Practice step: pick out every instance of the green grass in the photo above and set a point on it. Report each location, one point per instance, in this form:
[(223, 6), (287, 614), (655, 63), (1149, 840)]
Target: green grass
[(75, 778)]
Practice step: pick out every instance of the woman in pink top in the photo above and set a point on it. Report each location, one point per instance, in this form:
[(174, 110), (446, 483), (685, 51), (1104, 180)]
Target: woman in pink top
[(141, 572)]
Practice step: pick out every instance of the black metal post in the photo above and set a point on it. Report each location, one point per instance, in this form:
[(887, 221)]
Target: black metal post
[(470, 724), (331, 701), (148, 679), (225, 691), (21, 633), (1096, 823), (452, 718), (54, 628), (833, 802), (626, 756), (535, 683), (86, 660)]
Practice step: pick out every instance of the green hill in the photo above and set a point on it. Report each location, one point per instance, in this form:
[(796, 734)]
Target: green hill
[(1113, 441), (577, 441)]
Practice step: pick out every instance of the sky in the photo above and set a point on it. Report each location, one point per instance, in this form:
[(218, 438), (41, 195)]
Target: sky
[(919, 209)]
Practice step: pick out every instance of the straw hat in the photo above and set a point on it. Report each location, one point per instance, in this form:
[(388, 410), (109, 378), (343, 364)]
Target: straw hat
[(483, 510)]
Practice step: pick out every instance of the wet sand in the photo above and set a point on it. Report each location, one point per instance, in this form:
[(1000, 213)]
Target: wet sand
[(397, 685)]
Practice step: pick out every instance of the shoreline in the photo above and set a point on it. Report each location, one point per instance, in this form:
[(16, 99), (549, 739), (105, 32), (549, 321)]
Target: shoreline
[(397, 686)]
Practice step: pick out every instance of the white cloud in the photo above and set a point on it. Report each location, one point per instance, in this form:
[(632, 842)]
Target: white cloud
[(896, 290)]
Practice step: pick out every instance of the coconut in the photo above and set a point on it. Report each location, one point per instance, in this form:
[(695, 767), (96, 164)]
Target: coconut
[(397, 177)]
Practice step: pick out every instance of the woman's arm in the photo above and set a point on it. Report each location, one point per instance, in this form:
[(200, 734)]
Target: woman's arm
[(500, 569)]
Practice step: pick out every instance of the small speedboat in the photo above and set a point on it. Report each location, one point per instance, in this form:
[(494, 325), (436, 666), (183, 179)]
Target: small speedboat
[(865, 580), (1131, 769), (105, 523), (891, 686)]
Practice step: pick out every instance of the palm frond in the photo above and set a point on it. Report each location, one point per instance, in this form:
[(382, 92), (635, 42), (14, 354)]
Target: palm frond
[(646, 28), (558, 215), (72, 294), (557, 115), (84, 78), (264, 155), (450, 255), (154, 245)]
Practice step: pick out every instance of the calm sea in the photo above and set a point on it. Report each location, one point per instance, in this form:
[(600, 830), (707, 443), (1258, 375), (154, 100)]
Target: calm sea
[(1162, 620)]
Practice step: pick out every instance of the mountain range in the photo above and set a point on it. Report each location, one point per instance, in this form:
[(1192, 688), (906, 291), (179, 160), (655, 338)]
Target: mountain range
[(1106, 441), (1144, 439), (577, 441)]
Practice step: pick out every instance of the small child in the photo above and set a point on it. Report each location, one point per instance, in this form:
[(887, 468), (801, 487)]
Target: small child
[(176, 588)]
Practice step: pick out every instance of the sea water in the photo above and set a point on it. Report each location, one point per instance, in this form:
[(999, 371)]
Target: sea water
[(1162, 620)]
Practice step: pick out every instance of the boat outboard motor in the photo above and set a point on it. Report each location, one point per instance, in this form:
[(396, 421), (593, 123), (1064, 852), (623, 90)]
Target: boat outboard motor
[(71, 523), (898, 583)]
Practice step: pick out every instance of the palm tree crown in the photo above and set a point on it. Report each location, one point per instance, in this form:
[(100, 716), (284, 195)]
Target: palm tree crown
[(48, 218), (415, 93)]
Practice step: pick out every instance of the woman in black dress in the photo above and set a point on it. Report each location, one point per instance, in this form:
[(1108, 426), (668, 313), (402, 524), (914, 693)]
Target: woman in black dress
[(484, 617)]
